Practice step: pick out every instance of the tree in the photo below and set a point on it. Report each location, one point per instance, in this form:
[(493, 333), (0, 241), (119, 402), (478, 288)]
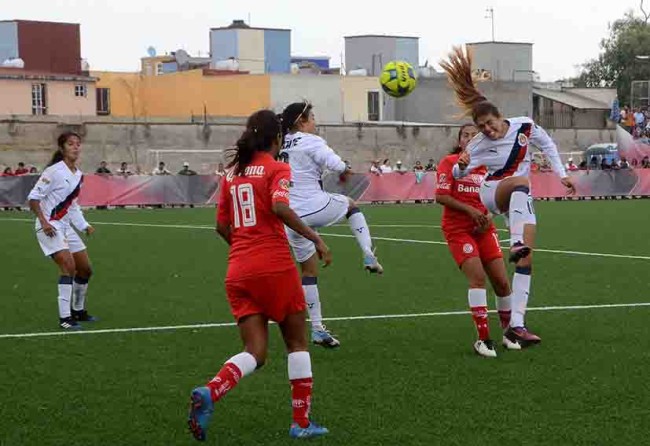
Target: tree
[(618, 63)]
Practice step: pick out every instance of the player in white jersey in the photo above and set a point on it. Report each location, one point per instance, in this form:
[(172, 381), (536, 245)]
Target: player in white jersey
[(54, 201), (310, 157), (503, 148)]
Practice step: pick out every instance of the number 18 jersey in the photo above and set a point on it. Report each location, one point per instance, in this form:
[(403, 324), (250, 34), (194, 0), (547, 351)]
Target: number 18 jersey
[(258, 241)]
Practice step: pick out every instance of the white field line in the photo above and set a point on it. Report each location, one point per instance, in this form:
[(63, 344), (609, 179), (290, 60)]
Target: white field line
[(341, 318), (388, 239)]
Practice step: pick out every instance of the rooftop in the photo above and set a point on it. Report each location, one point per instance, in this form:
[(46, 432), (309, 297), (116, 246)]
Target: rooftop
[(580, 98), (22, 74), (380, 35), (490, 42), (240, 24)]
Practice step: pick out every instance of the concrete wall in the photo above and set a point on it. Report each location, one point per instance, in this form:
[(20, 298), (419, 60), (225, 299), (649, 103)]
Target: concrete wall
[(16, 97), (359, 52), (251, 50), (277, 51), (434, 102), (32, 141), (355, 97)]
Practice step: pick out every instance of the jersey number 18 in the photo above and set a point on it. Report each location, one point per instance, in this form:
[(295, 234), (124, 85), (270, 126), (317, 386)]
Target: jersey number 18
[(243, 202)]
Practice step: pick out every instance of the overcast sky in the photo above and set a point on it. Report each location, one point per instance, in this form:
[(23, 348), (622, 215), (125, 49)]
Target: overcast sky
[(116, 33)]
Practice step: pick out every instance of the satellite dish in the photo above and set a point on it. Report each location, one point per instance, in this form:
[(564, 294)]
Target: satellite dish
[(182, 58), (151, 51)]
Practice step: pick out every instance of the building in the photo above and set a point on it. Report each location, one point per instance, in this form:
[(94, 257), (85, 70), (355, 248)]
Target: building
[(322, 62), (257, 50), (26, 92), (503, 61), (44, 47), (190, 94), (179, 60), (561, 106), (372, 52)]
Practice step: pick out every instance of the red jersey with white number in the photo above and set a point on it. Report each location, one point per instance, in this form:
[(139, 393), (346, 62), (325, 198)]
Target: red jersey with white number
[(465, 190), (258, 241)]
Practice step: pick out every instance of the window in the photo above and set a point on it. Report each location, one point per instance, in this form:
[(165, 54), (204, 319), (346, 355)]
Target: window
[(103, 101), (80, 91), (373, 106), (39, 99), (159, 69)]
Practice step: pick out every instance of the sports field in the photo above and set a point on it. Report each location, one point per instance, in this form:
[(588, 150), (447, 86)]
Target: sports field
[(405, 373)]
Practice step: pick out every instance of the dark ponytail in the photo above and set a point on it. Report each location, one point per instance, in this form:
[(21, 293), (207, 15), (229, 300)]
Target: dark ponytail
[(294, 113), (263, 128), (63, 138), (457, 149)]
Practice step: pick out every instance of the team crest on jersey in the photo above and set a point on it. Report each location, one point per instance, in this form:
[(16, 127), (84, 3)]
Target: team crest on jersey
[(442, 178), (284, 184), (522, 140), (468, 248)]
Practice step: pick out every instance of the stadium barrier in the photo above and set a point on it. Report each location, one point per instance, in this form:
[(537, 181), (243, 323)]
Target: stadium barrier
[(100, 190)]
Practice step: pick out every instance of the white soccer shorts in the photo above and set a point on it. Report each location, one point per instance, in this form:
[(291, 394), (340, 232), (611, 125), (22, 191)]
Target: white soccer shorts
[(488, 192), (333, 212), (66, 238)]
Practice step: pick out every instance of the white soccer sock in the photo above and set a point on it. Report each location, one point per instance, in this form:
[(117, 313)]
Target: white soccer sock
[(65, 295), (517, 216), (504, 303), (361, 231), (79, 290), (520, 292), (312, 299), (245, 362), (477, 297), (299, 364)]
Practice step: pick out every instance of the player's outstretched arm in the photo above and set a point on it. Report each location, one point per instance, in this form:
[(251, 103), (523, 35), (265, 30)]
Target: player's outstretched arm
[(291, 219)]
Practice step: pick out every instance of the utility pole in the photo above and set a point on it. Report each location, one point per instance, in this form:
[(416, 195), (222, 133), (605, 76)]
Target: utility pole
[(490, 15)]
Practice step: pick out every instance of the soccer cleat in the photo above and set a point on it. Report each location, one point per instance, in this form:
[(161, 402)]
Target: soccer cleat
[(510, 345), (83, 316), (324, 338), (311, 431), (201, 409), (519, 251), (522, 336), (485, 348), (371, 264), (68, 323)]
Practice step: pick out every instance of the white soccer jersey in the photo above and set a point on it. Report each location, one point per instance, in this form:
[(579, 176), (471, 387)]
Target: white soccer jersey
[(57, 190), (309, 157), (510, 155)]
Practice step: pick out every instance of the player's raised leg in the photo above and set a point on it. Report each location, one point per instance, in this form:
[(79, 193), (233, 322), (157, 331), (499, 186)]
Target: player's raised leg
[(300, 377), (361, 231), (254, 333)]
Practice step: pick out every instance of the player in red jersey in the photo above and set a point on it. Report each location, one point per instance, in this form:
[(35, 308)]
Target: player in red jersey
[(262, 282), (474, 243)]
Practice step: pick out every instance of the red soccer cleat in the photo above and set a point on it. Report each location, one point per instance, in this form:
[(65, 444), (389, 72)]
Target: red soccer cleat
[(522, 336)]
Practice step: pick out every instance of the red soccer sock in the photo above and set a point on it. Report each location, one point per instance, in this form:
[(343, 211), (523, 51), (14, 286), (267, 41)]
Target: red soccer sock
[(226, 379), (480, 317), (301, 400), (504, 318)]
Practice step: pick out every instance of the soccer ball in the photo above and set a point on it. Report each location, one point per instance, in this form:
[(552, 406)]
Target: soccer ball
[(398, 79)]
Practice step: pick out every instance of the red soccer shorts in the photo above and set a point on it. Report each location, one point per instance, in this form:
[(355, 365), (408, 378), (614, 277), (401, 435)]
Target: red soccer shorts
[(465, 245), (273, 295)]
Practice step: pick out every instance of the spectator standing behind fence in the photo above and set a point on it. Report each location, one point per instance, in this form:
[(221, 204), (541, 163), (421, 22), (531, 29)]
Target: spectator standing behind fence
[(385, 167), (33, 170), (161, 170), (102, 169), (624, 163), (628, 122), (399, 168), (7, 172), (570, 165), (186, 169), (220, 170), (375, 168), (645, 162), (418, 169), (431, 166), (124, 170), (21, 170), (639, 120)]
